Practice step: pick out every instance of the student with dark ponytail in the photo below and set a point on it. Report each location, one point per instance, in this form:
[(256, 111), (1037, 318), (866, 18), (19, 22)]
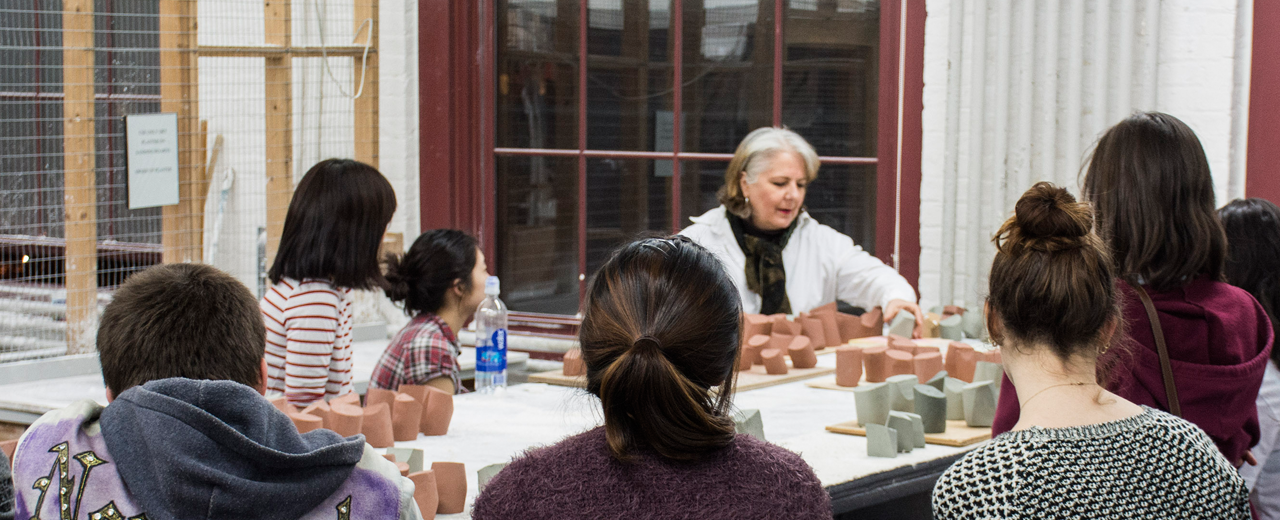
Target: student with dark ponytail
[(1077, 449), (440, 282), (659, 337)]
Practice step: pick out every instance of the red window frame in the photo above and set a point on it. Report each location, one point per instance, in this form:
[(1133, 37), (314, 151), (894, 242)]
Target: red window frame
[(457, 179)]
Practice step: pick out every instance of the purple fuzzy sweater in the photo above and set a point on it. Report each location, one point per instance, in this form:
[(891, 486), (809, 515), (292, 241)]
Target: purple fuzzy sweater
[(576, 478)]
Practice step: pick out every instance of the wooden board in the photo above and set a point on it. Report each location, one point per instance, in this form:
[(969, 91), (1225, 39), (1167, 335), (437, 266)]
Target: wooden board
[(752, 380), (829, 383), (958, 434)]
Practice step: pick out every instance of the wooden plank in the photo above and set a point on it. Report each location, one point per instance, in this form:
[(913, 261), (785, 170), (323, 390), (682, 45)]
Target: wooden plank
[(262, 51), (754, 379), (958, 433), (79, 196), (366, 105), (178, 92), (279, 122)]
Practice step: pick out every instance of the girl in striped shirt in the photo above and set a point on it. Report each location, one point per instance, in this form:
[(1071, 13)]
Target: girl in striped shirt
[(329, 246)]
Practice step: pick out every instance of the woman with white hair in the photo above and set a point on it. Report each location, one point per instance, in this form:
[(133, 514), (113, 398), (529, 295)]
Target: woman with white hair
[(780, 258)]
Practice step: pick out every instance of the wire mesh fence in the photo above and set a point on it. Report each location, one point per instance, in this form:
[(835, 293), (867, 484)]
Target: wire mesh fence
[(260, 89)]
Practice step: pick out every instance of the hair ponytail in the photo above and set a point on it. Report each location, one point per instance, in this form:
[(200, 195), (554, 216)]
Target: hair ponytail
[(660, 340), (435, 262)]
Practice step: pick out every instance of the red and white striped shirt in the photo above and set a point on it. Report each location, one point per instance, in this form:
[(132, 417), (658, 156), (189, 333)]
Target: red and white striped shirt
[(308, 340)]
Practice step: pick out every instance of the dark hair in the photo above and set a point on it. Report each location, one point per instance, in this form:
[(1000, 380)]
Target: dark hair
[(181, 320), (1052, 281), (660, 330), (335, 224), (1149, 182), (1253, 245), (437, 259)]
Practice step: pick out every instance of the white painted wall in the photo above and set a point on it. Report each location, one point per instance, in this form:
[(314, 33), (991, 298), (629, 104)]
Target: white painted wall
[(1017, 92)]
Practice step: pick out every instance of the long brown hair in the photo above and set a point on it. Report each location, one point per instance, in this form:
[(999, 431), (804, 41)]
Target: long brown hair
[(1253, 241), (1149, 182), (660, 340), (1052, 281)]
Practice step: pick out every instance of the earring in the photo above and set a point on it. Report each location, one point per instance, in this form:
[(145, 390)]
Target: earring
[(746, 200)]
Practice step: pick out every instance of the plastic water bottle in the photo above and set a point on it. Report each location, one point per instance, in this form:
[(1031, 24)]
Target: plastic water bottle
[(491, 340)]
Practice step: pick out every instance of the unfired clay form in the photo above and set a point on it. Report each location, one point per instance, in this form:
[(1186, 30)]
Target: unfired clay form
[(405, 417), (901, 422), (900, 362), (872, 402), (960, 361), (306, 422), (902, 397), (801, 353), (954, 390), (425, 493), (848, 366), (882, 441), (928, 365), (346, 420), (876, 362), (573, 364), (451, 483), (950, 328), (775, 363), (931, 406), (438, 413), (377, 426), (980, 403), (903, 324)]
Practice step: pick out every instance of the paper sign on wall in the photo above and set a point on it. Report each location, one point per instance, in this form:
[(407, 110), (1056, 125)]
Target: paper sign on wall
[(151, 144)]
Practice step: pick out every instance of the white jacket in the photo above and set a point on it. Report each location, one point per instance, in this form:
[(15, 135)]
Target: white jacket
[(822, 265)]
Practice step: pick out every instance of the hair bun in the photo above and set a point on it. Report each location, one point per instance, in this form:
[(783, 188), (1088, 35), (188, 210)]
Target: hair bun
[(1047, 218)]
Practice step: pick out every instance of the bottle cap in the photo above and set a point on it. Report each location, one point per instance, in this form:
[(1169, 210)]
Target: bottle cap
[(492, 287)]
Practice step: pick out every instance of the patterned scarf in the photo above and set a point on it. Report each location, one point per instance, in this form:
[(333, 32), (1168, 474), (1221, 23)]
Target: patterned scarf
[(765, 273)]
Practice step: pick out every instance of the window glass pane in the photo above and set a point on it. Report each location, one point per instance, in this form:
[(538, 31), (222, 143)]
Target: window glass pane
[(728, 72), (537, 230), (844, 197), (537, 81), (626, 199), (699, 182), (629, 75), (831, 73)]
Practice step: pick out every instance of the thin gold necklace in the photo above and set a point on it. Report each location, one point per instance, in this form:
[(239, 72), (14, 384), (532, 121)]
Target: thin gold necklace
[(1042, 390)]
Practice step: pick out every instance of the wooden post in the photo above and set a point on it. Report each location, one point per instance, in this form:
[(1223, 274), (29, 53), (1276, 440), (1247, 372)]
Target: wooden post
[(279, 121), (181, 234), (79, 197), (366, 106)]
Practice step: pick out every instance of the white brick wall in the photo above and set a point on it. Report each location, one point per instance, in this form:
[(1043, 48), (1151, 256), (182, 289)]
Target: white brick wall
[(1016, 92)]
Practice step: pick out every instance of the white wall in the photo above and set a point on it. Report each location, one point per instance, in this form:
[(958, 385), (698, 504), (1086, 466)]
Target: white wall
[(1017, 92)]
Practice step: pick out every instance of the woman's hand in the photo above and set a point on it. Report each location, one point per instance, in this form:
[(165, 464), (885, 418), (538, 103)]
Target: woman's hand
[(902, 305)]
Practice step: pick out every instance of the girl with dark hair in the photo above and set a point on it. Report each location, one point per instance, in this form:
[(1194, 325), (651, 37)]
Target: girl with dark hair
[(659, 338), (441, 282), (328, 247), (1253, 245), (1203, 356), (1077, 449)]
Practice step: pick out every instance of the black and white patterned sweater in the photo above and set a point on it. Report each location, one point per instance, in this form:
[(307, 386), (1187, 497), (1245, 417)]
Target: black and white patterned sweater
[(1152, 465)]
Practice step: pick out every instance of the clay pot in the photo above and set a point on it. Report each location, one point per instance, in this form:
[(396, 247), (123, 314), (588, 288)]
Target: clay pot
[(780, 342), (282, 403), (319, 409), (425, 493), (775, 363), (405, 417), (801, 353), (848, 366), (346, 420), (960, 361), (438, 413), (876, 361), (374, 396), (812, 328), (754, 324), (754, 346), (573, 364), (377, 426), (900, 362), (927, 365), (305, 422), (905, 345), (350, 398), (451, 485)]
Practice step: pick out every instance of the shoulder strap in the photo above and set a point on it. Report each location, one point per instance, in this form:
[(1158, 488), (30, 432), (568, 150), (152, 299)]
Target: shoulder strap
[(1166, 367)]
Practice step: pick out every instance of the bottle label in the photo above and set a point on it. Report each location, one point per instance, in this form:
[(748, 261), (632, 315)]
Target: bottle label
[(492, 355)]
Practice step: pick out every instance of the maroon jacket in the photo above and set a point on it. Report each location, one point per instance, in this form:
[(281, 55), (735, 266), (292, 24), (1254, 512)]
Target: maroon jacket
[(1218, 338)]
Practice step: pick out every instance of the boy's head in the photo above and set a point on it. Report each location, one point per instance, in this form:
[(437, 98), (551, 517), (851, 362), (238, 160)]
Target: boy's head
[(181, 320)]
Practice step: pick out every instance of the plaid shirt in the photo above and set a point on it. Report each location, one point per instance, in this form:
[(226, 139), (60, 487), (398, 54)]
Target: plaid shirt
[(423, 350)]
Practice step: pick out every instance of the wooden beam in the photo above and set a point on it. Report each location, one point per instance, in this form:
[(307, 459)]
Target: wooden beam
[(345, 51), (279, 121), (366, 106), (181, 235), (79, 197)]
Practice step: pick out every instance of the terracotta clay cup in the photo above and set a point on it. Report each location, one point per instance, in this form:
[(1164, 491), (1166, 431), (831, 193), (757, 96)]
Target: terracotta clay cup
[(346, 420), (379, 395), (848, 366), (753, 324), (425, 493), (900, 363), (8, 447), (377, 426), (282, 403), (405, 417), (451, 485), (876, 361), (801, 353), (812, 328), (780, 342), (306, 422), (753, 348), (960, 361), (928, 365), (319, 409), (350, 398), (573, 364), (438, 413), (905, 345), (775, 363)]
